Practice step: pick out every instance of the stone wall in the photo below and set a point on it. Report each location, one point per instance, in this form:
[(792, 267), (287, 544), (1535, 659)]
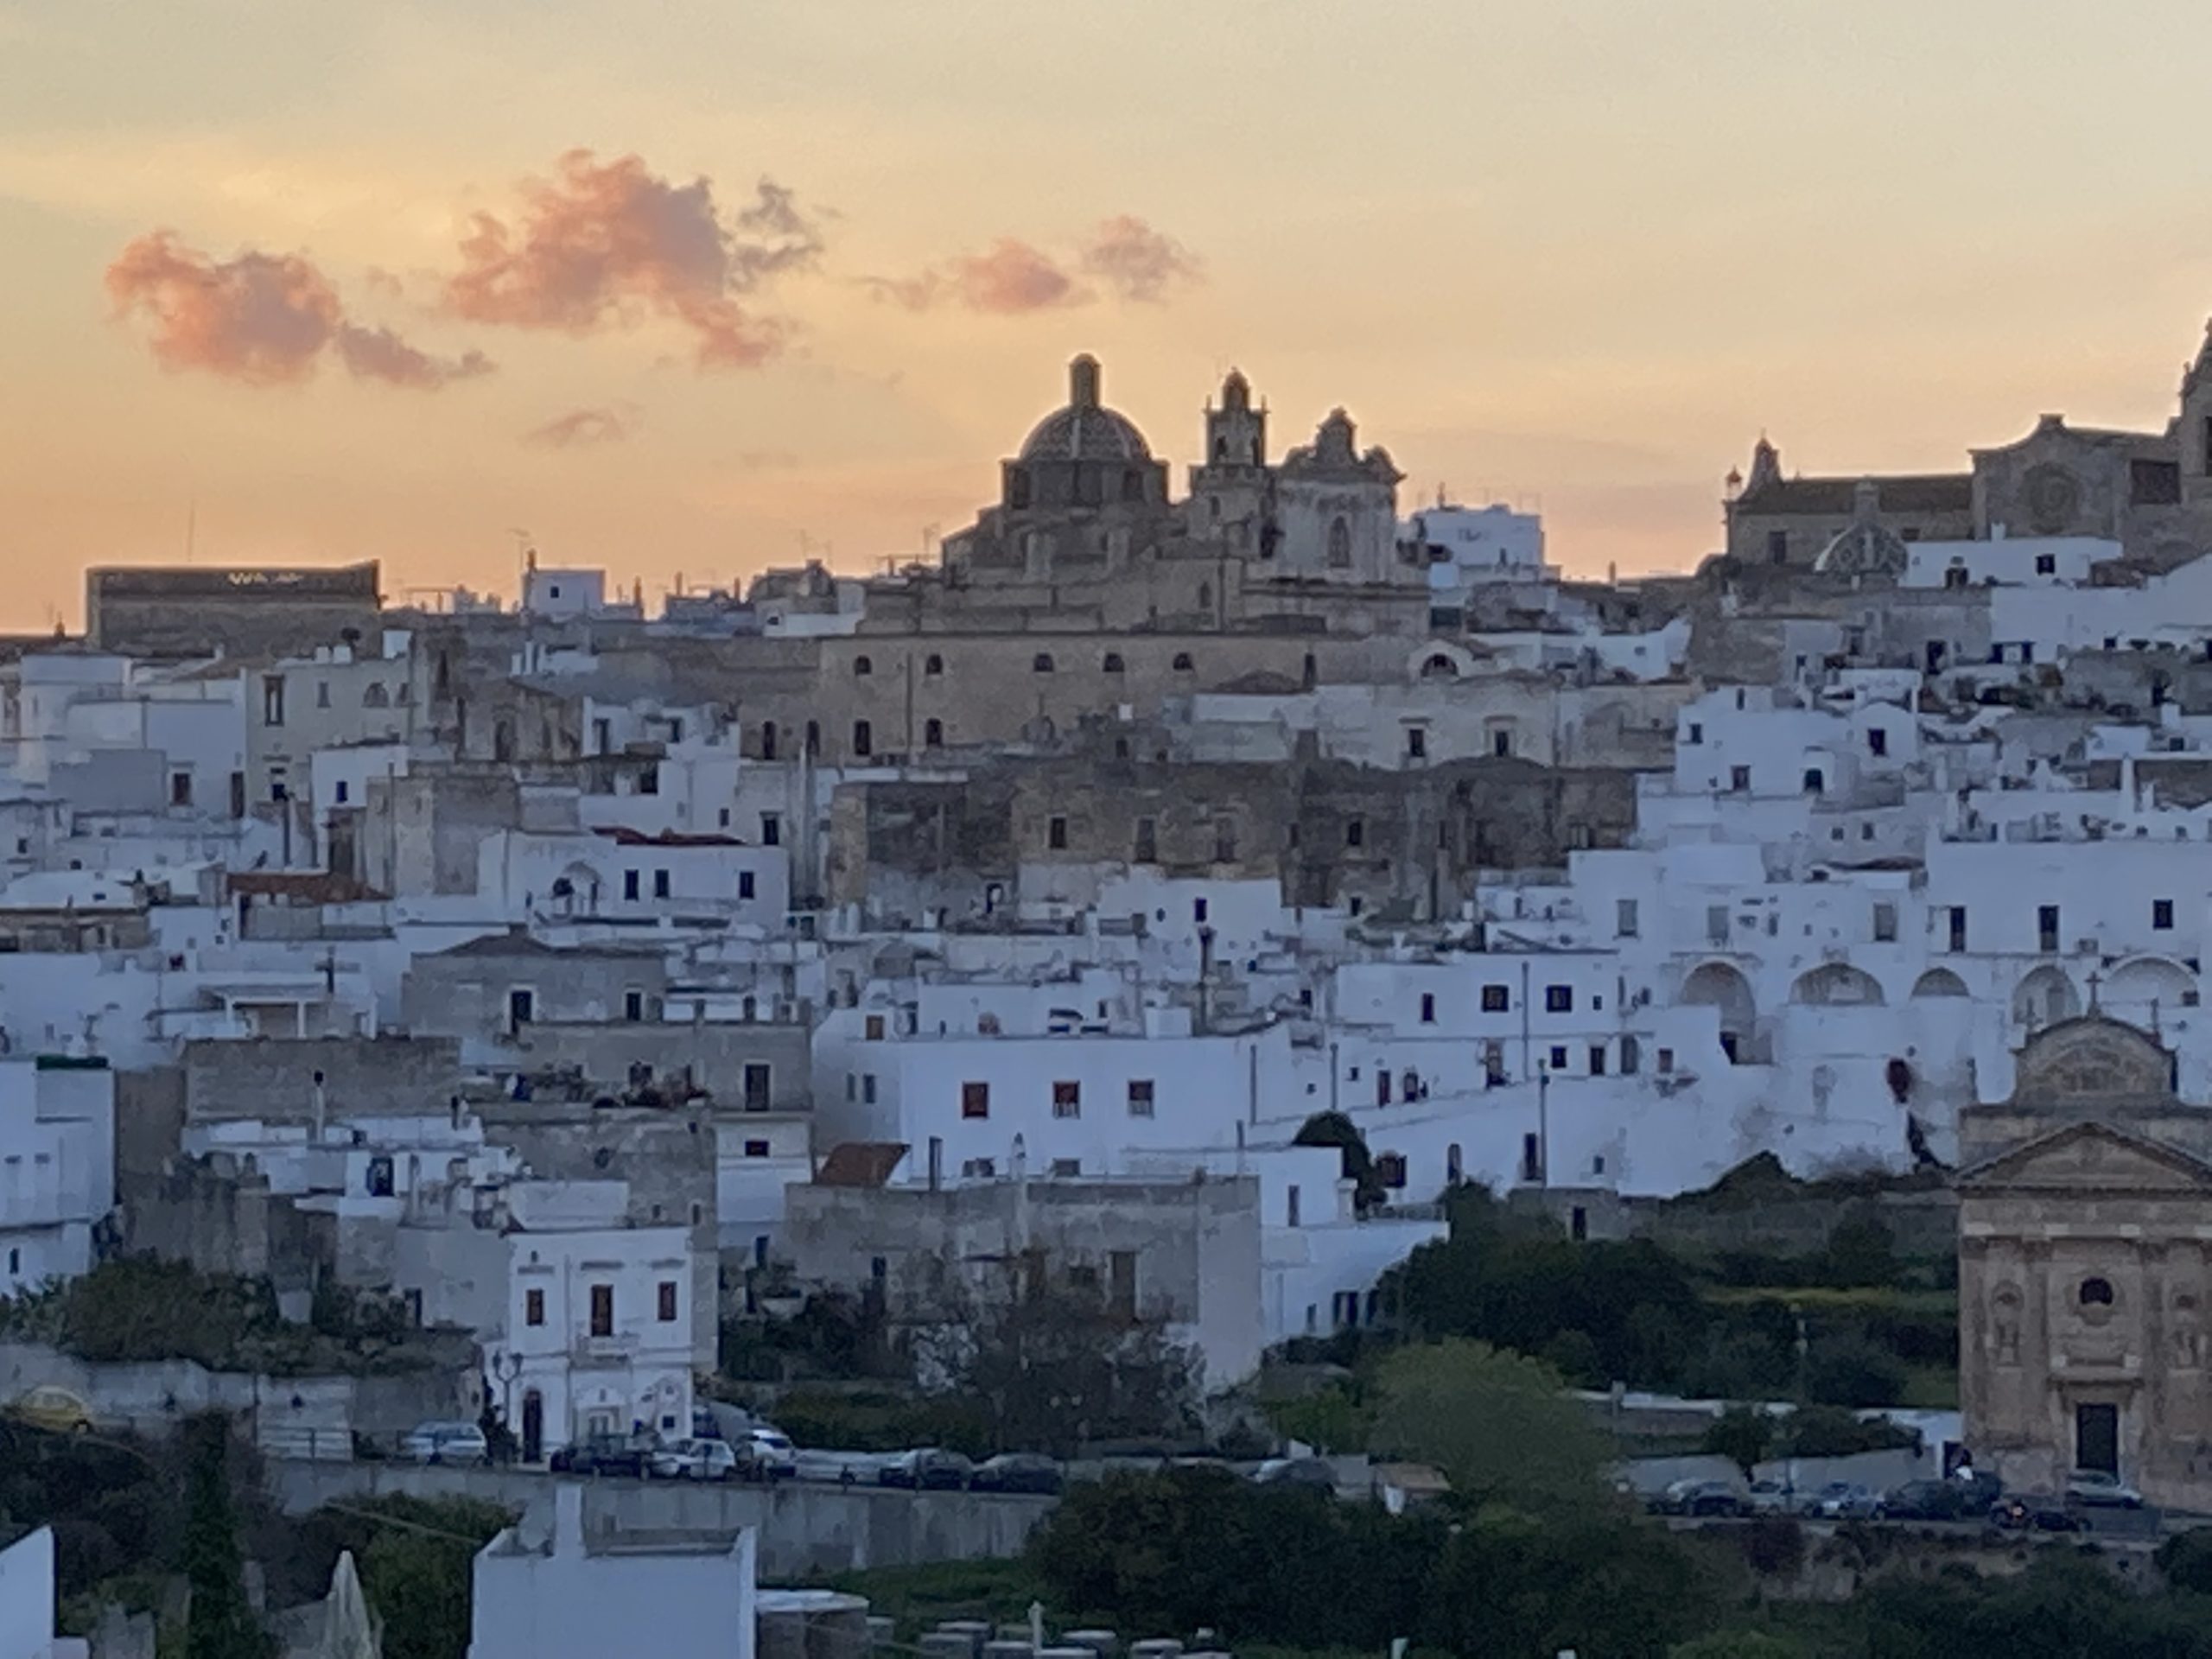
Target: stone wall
[(273, 1079)]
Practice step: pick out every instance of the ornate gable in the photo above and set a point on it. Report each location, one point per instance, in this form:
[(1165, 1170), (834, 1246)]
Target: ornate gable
[(2078, 1062), (2084, 1158)]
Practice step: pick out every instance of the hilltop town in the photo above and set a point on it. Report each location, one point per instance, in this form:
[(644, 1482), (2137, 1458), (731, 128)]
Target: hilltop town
[(1163, 928)]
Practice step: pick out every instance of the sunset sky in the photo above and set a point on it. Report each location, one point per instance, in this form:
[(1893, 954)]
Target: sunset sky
[(397, 280)]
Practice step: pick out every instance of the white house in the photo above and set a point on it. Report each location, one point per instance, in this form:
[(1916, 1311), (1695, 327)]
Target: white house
[(57, 1166), (27, 1602)]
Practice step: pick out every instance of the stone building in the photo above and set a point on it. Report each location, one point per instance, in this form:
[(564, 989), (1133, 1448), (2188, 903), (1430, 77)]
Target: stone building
[(150, 611), (2085, 1268)]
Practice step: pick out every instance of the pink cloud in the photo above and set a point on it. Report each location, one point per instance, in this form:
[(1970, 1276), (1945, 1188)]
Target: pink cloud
[(1124, 256), (604, 242), (581, 429), (1137, 261), (260, 319)]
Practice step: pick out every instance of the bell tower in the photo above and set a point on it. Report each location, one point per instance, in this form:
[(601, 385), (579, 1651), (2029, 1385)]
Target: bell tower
[(1236, 434)]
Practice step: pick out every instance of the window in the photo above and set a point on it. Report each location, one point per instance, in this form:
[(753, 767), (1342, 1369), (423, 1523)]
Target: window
[(1696, 734), (1146, 849), (1886, 923), (1559, 999), (522, 1008), (2162, 915), (772, 830), (1815, 780), (1631, 1056), (868, 1088), (273, 699), (1041, 663), (1198, 910), (863, 667), (666, 1310), (1383, 1086), (660, 884), (630, 887), (756, 1148), (745, 886), (975, 1100), (533, 1307), (1557, 1060), (375, 696), (1597, 1059), (2047, 928), (1356, 832), (1665, 1062), (1416, 743), (1497, 999), (634, 1006), (1067, 1100), (1291, 1206), (1056, 834), (1624, 918), (1958, 927), (1739, 779), (932, 734), (758, 1078), (1224, 841), (767, 739), (1340, 544), (1182, 664), (1877, 741), (2046, 564), (1140, 1097), (2095, 1293), (874, 1027), (934, 666), (863, 739), (322, 694), (1429, 1007), (602, 1310), (1777, 547), (1111, 664), (179, 789), (1501, 743), (339, 792), (2154, 483)]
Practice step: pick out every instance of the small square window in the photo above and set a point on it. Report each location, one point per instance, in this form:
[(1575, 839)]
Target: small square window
[(1067, 1100), (2162, 915), (665, 1308), (1056, 834), (1559, 1057), (975, 1100), (1497, 999), (1559, 999), (1140, 1097), (533, 1307), (745, 887), (1429, 1007)]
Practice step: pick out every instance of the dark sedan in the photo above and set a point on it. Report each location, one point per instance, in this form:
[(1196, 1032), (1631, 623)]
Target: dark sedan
[(928, 1470), (2018, 1514), (1018, 1471), (604, 1454)]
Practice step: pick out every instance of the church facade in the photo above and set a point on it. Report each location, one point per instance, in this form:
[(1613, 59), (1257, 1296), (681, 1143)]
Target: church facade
[(2085, 1270)]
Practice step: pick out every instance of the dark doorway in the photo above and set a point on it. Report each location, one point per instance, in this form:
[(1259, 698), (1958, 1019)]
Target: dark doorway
[(533, 1425), (2096, 1439)]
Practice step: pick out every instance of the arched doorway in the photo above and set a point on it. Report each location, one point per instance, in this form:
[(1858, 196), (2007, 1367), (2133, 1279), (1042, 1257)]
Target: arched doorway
[(2045, 997), (2148, 991), (533, 1426), (1717, 985), (1837, 985)]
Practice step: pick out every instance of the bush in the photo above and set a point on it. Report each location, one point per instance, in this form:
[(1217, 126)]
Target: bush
[(1834, 1432), (2185, 1559), (1774, 1545), (1849, 1370), (1744, 1435)]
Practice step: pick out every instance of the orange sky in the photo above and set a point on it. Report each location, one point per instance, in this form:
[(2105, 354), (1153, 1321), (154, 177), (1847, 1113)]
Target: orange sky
[(1573, 256)]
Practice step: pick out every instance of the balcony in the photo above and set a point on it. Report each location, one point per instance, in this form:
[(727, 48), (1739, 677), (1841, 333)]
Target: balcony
[(618, 1350)]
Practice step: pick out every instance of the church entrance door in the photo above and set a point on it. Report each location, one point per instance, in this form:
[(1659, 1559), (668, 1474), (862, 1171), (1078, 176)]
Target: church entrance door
[(2096, 1438), (533, 1426)]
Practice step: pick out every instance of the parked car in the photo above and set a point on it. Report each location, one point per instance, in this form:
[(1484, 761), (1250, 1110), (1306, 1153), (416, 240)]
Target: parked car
[(927, 1468), (1297, 1471), (766, 1454), (2018, 1513), (1772, 1497), (605, 1454), (1942, 1500), (1018, 1471), (1845, 1500), (693, 1460), (55, 1410), (1700, 1498), (2093, 1488), (453, 1442)]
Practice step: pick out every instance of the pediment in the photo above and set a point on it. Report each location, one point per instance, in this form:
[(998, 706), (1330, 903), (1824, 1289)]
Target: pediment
[(2091, 1058), (2092, 1157)]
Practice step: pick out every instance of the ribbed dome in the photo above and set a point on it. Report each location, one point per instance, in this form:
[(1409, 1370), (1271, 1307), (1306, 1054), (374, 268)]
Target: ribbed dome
[(1085, 430)]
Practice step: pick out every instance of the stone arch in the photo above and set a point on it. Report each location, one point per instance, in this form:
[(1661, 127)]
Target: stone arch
[(1837, 984), (2046, 997), (1939, 981), (1440, 659), (1721, 985), (2142, 985)]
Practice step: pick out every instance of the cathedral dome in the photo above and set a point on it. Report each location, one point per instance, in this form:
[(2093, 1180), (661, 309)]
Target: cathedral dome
[(1085, 430)]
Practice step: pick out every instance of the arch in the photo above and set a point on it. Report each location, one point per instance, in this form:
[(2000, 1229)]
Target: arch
[(1183, 663), (932, 734), (1837, 984), (1041, 663), (2143, 987), (1340, 544), (862, 667), (1205, 595), (1438, 660), (2046, 997), (934, 665), (580, 883), (1939, 981), (1111, 663), (767, 739), (376, 697), (1721, 986)]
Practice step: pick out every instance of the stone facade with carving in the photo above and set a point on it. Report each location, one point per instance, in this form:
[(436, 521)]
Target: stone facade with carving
[(2085, 1268)]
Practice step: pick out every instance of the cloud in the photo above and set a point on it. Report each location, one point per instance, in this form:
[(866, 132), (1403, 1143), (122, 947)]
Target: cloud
[(1137, 261), (582, 429), (603, 243), (1124, 256), (260, 319)]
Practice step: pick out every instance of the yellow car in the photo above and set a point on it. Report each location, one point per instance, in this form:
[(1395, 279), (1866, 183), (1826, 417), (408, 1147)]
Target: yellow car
[(56, 1410)]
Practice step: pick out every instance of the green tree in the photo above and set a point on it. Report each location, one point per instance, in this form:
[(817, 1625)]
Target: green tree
[(1335, 1129), (1862, 1250), (1737, 1644), (1330, 1422), (1744, 1435), (1497, 1424), (219, 1626), (1847, 1370), (1596, 1584), (417, 1562), (2185, 1559), (1055, 1365)]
